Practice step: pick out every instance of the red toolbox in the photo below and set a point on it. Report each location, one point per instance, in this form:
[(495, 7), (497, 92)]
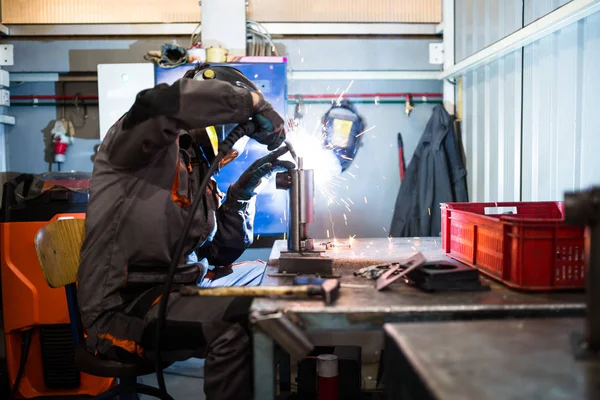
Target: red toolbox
[(529, 249)]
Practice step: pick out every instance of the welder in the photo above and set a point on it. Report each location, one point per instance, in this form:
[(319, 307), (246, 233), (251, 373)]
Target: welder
[(146, 174)]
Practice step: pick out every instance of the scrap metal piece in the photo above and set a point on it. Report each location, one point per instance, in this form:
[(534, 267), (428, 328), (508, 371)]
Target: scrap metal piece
[(374, 271), (394, 273), (282, 330)]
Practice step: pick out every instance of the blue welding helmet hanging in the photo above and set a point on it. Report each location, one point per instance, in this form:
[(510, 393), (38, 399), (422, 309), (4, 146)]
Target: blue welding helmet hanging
[(342, 128)]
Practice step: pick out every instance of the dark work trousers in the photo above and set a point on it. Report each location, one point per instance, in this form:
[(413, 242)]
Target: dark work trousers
[(215, 328)]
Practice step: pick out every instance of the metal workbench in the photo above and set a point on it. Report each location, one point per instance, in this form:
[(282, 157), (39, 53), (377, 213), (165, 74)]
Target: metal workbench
[(361, 307), (488, 360)]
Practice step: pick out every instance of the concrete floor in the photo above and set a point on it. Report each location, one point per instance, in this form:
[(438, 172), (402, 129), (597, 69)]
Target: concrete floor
[(185, 380)]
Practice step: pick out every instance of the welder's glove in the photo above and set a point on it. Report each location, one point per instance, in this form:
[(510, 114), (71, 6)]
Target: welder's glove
[(254, 178), (269, 125)]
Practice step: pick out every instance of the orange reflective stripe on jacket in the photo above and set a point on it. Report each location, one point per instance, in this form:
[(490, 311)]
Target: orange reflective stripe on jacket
[(127, 345)]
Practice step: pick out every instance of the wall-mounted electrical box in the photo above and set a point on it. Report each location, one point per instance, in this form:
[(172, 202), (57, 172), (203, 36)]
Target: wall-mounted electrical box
[(436, 53), (4, 78), (6, 54), (4, 98)]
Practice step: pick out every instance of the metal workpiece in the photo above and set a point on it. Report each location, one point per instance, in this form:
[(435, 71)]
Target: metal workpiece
[(282, 330), (583, 208), (302, 255), (477, 360), (306, 182), (294, 202), (305, 262)]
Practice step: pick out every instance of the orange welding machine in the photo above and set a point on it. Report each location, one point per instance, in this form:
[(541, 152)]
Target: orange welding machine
[(39, 349)]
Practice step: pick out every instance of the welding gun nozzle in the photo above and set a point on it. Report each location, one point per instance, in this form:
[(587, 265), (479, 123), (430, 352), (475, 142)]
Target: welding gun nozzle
[(288, 144)]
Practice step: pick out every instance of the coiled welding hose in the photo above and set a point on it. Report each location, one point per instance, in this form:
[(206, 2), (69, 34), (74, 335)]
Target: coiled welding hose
[(237, 133)]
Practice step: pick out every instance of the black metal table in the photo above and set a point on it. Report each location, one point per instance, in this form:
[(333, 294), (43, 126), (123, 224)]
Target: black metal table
[(361, 307), (484, 360)]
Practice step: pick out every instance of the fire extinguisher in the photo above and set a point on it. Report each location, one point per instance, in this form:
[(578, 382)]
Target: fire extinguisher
[(62, 137)]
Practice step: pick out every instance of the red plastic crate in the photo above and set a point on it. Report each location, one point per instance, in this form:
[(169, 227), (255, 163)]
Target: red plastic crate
[(531, 249)]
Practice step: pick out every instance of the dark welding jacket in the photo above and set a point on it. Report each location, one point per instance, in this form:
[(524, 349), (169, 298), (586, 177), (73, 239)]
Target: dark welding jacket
[(435, 174), (146, 174)]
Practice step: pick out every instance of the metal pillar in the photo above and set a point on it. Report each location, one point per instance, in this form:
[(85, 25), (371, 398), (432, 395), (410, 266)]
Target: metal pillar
[(583, 208), (448, 24)]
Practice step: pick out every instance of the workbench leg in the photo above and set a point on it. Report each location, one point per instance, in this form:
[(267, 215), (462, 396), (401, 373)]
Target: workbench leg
[(264, 367), (285, 373)]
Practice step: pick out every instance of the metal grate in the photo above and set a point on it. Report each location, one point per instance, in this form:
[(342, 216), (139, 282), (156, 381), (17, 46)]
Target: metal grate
[(58, 357)]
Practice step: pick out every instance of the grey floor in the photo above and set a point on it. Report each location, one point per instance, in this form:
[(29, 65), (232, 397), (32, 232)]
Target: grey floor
[(185, 380)]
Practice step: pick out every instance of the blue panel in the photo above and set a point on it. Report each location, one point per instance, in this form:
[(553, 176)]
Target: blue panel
[(271, 80)]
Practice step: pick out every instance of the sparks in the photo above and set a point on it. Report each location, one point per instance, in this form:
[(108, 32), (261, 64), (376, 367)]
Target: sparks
[(366, 200), (284, 235), (327, 233), (344, 92), (332, 224), (346, 158), (384, 178), (429, 211), (258, 236), (385, 230), (344, 201), (366, 130), (352, 175), (281, 220), (350, 200), (349, 210)]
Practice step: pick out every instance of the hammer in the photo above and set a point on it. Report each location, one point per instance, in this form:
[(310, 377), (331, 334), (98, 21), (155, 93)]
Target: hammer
[(303, 287)]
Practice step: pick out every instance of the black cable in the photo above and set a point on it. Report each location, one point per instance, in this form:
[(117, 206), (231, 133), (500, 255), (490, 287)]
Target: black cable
[(25, 346), (224, 148)]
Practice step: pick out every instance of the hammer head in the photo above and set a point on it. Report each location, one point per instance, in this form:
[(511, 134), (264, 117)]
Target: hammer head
[(329, 289)]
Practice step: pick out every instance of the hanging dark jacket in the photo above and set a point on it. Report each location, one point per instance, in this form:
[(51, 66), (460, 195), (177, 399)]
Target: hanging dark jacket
[(436, 174)]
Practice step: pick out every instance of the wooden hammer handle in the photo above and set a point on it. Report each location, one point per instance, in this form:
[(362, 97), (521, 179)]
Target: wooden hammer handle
[(253, 291)]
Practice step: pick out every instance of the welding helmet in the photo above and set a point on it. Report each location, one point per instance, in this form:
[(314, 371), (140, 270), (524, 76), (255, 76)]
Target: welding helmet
[(342, 132), (209, 138)]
